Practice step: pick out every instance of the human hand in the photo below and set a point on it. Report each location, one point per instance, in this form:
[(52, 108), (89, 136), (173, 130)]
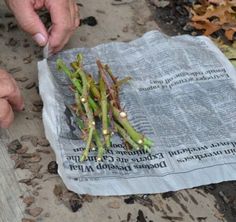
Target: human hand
[(10, 99), (64, 16)]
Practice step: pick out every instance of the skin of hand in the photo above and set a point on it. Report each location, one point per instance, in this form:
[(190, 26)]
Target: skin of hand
[(64, 16), (10, 99)]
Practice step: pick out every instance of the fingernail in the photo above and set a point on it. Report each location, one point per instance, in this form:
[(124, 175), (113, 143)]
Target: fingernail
[(40, 39)]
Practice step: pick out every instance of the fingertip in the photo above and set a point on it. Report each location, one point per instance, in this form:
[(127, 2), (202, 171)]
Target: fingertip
[(40, 39)]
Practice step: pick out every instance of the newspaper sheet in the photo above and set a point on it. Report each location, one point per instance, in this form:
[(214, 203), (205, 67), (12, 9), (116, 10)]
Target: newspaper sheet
[(182, 95)]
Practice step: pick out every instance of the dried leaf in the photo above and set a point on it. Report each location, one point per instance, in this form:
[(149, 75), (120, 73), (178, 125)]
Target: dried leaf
[(212, 16)]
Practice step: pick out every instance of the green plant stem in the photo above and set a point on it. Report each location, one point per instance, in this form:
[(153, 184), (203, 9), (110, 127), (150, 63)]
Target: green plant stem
[(126, 137), (99, 145), (104, 106), (137, 137), (112, 91), (127, 126), (77, 84), (93, 88), (88, 145), (89, 113)]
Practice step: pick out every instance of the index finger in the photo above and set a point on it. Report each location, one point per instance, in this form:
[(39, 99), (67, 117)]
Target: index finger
[(62, 24)]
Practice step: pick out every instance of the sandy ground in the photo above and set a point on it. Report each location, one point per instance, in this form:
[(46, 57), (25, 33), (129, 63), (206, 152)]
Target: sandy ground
[(19, 55)]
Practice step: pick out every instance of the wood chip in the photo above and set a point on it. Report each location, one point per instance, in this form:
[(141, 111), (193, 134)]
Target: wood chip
[(28, 59), (34, 212), (27, 220), (29, 200), (140, 21), (43, 142), (36, 109), (58, 190), (15, 70), (34, 141), (43, 151), (21, 79), (38, 103), (19, 163), (28, 182), (87, 198), (160, 3), (35, 168), (114, 205), (30, 85), (35, 159), (35, 193), (22, 150), (121, 2), (26, 138)]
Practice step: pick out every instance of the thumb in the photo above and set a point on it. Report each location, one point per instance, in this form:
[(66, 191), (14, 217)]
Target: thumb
[(29, 21)]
